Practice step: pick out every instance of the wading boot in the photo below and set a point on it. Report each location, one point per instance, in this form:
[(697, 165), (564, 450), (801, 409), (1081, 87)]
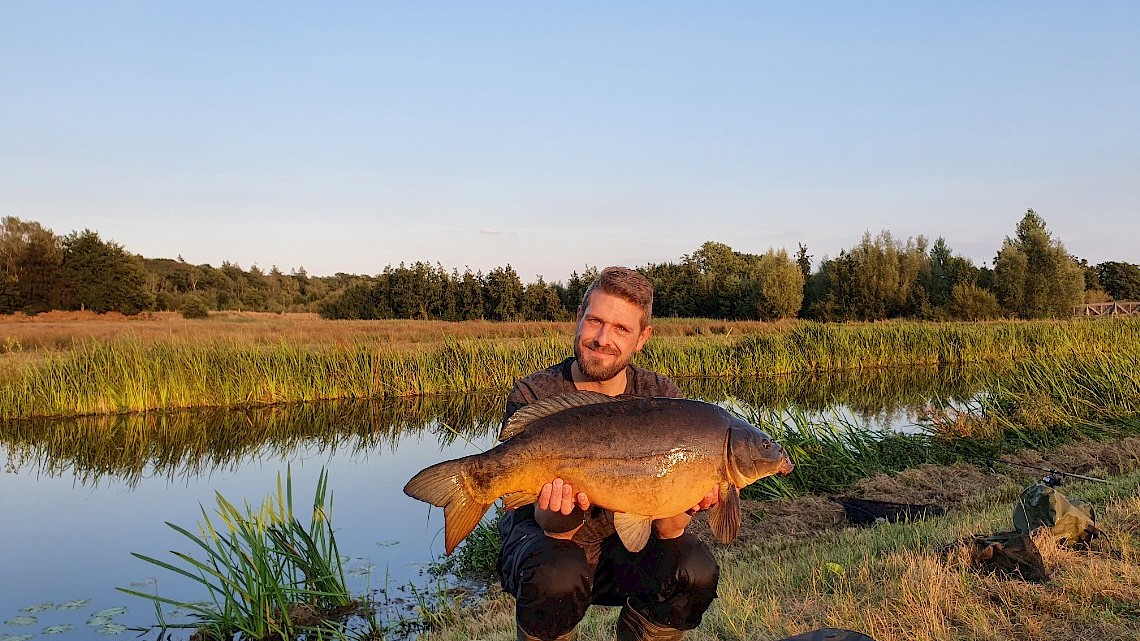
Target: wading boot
[(633, 626), (523, 636)]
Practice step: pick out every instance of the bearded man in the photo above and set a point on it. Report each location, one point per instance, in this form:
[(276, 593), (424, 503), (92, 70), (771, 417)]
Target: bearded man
[(560, 554)]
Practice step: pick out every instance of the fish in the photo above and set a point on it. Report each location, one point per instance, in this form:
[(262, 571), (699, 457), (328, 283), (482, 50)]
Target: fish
[(642, 458)]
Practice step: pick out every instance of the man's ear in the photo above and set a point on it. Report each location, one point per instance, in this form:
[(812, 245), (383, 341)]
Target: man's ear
[(578, 316), (645, 334)]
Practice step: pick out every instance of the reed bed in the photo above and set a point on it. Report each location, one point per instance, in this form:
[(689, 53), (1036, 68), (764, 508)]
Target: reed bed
[(267, 575), (130, 374)]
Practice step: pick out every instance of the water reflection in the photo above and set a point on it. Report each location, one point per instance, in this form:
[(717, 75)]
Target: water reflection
[(79, 495), (191, 443)]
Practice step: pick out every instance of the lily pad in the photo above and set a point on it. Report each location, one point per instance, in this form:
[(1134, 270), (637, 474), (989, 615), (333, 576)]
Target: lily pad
[(361, 570), (58, 629), (95, 622), (39, 607), (107, 613), (74, 605), (16, 637), (22, 621), (111, 628)]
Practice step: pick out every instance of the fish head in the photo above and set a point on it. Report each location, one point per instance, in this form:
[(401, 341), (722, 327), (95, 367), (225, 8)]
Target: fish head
[(753, 454)]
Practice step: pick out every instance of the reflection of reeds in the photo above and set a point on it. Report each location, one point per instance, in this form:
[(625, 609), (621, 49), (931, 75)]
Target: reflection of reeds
[(194, 442), (130, 374)]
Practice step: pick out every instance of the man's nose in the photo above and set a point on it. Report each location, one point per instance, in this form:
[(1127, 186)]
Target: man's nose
[(602, 336)]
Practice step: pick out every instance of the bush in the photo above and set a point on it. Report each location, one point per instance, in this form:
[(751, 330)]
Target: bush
[(970, 302), (194, 307)]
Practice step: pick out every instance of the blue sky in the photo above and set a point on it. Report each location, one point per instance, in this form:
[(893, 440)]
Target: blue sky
[(344, 137)]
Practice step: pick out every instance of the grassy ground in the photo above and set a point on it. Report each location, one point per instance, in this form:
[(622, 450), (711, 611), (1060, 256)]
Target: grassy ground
[(797, 568)]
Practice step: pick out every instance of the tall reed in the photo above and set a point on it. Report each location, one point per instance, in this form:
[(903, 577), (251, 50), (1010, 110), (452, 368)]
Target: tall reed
[(128, 375), (267, 575)]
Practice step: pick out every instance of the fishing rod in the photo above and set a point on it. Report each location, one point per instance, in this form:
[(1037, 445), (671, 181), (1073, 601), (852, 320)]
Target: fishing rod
[(1052, 477)]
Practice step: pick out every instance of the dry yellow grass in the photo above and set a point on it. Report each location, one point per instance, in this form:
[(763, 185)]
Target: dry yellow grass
[(59, 330)]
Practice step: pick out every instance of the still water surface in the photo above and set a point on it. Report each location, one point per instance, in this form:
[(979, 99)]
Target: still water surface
[(78, 496)]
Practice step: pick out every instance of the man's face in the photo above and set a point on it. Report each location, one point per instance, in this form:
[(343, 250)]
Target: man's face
[(608, 334)]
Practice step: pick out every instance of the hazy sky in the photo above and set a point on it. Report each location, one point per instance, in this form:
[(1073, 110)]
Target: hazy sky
[(344, 137)]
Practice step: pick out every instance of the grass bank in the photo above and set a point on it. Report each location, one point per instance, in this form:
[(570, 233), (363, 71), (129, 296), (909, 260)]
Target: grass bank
[(130, 374), (901, 582)]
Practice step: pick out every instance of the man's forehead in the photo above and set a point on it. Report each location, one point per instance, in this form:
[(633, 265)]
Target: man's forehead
[(608, 305)]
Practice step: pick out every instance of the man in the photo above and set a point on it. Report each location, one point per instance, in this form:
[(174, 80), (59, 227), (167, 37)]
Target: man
[(561, 554)]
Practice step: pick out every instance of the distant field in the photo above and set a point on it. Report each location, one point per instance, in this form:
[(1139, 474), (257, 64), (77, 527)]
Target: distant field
[(60, 330)]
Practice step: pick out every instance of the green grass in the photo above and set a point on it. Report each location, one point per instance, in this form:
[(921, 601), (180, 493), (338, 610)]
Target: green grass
[(267, 575), (906, 581), (128, 375)]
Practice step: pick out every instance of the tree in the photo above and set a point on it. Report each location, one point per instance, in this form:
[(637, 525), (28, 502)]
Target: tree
[(469, 296), (877, 279), (502, 294), (944, 272), (803, 259), (1120, 280), (778, 286), (102, 276), (1034, 277), (31, 257), (541, 302)]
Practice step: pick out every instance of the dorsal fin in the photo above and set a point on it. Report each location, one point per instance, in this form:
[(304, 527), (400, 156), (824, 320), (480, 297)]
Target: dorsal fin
[(531, 412)]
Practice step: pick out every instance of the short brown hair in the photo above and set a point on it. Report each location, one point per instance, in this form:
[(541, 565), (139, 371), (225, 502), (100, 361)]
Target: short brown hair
[(627, 284)]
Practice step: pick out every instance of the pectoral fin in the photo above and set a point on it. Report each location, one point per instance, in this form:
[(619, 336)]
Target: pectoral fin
[(515, 500), (724, 517), (634, 530)]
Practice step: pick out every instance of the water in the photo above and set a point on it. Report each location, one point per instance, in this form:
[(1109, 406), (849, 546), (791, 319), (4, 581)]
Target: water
[(68, 538), (79, 496)]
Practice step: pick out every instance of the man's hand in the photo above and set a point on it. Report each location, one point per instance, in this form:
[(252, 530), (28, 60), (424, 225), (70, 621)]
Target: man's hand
[(559, 512), (674, 526)]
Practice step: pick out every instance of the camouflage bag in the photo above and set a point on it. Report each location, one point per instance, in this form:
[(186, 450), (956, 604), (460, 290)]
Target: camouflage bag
[(1043, 506)]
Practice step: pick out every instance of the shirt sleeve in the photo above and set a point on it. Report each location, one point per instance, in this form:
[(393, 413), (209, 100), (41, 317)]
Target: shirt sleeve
[(520, 395)]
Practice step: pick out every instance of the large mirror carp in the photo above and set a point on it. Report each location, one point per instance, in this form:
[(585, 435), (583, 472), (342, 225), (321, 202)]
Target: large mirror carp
[(641, 458)]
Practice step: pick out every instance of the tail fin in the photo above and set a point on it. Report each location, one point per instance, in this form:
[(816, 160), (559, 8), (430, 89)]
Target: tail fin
[(442, 485)]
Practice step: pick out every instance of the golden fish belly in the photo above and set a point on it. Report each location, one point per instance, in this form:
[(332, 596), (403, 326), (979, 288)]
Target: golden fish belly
[(651, 486)]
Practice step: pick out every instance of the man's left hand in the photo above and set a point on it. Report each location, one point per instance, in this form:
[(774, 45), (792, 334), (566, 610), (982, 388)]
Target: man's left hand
[(674, 526)]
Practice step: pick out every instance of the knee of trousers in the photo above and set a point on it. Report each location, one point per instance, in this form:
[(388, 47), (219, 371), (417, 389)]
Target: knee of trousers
[(694, 567), (553, 570), (688, 584), (552, 589)]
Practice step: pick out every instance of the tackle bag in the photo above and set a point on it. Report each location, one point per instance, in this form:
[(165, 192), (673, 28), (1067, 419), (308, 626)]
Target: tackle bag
[(1042, 506)]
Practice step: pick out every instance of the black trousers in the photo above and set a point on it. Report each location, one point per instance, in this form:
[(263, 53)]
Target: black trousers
[(671, 581)]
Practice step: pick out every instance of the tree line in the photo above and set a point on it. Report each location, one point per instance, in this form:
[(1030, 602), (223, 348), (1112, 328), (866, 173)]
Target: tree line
[(881, 277)]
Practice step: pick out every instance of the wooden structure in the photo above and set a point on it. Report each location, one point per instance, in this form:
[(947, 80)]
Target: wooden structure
[(1109, 309)]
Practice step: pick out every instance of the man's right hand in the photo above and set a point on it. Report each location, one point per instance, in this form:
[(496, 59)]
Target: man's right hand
[(559, 512)]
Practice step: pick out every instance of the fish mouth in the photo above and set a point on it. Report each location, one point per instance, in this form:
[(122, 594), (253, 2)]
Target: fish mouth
[(785, 467)]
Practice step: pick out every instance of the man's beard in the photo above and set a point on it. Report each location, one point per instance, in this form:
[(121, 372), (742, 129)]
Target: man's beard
[(595, 370)]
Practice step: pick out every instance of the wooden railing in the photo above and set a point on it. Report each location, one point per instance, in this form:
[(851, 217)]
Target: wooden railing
[(1109, 309)]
